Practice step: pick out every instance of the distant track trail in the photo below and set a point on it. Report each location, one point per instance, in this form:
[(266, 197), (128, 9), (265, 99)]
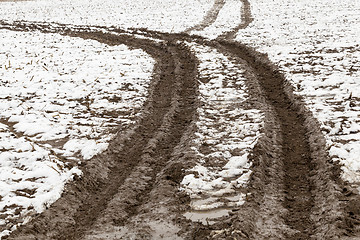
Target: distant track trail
[(209, 18), (246, 19), (131, 190)]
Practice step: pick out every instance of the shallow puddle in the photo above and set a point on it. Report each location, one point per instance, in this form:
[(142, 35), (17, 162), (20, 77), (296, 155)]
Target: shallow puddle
[(207, 217)]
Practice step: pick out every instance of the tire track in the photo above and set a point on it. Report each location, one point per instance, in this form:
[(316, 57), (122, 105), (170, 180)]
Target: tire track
[(283, 161), (246, 19), (295, 191), (209, 18), (168, 112), (300, 194), (158, 151)]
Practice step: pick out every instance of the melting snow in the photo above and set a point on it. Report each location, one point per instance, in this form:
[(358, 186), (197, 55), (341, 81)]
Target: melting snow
[(61, 100), (316, 44), (226, 133)]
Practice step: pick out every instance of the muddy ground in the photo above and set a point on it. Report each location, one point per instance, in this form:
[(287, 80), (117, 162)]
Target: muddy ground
[(131, 191)]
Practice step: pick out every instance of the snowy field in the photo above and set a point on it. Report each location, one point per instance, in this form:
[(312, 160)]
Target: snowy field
[(316, 44), (163, 15), (58, 109), (62, 99)]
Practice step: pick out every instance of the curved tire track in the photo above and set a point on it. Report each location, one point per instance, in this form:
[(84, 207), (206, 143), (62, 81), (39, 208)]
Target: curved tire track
[(295, 191), (168, 112)]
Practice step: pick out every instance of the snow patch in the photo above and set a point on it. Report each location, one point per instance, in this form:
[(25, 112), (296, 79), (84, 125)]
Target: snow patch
[(226, 132)]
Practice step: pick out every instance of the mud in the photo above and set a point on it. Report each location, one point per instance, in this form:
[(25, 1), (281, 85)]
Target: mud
[(131, 190)]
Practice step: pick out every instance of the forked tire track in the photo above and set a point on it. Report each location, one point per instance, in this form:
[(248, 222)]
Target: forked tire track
[(295, 191)]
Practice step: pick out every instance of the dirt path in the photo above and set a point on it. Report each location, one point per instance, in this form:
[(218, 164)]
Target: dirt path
[(131, 190)]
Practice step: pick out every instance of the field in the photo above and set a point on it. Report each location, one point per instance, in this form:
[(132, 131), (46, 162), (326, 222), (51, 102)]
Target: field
[(206, 119)]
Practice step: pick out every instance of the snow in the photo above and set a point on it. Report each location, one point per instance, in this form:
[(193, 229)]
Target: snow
[(316, 44), (62, 99), (163, 15), (226, 132)]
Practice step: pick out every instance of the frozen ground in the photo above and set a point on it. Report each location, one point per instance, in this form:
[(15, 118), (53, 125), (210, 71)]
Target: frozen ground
[(227, 130), (316, 44), (163, 15), (61, 101)]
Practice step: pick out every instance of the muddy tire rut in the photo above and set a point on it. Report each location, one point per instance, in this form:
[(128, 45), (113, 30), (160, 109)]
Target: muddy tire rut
[(113, 191), (293, 159), (131, 190), (296, 192)]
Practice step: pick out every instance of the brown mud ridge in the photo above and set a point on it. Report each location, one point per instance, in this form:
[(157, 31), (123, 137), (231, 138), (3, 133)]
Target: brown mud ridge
[(131, 190)]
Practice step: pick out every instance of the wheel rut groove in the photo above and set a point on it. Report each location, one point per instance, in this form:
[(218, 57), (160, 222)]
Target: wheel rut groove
[(286, 185), (170, 110), (294, 191), (294, 188), (295, 151), (295, 154)]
